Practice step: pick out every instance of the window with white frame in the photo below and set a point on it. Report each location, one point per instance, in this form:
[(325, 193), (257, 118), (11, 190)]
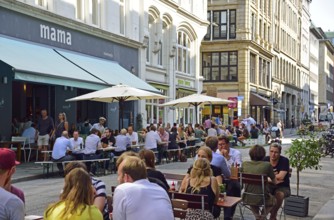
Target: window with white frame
[(183, 53), (154, 112), (121, 17)]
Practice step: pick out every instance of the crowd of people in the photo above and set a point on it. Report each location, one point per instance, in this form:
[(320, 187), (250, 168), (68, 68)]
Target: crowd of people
[(142, 192)]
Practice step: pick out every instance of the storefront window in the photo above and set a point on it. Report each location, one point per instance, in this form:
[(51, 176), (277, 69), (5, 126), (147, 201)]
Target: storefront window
[(154, 112)]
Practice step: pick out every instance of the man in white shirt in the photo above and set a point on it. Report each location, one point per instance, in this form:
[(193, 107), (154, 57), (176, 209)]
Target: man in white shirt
[(92, 144), (132, 135), (136, 197), (59, 152), (78, 145), (233, 158), (212, 132), (99, 126), (152, 139)]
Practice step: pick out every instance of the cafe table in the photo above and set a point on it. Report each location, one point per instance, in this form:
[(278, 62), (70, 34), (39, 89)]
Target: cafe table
[(228, 201), (8, 144)]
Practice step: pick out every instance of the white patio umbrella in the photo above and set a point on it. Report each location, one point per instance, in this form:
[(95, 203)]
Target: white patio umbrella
[(120, 94), (196, 100)]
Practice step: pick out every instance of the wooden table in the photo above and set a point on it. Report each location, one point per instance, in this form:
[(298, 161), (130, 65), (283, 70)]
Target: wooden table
[(8, 144), (229, 201)]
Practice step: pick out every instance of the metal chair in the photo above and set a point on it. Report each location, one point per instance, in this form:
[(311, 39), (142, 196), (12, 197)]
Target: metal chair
[(23, 140), (261, 180)]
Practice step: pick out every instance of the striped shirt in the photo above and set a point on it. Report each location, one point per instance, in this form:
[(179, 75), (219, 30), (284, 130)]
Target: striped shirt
[(100, 188)]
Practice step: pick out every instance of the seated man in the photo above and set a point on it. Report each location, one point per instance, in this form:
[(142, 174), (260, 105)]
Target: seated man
[(122, 143), (59, 152), (92, 144), (233, 158), (132, 135), (78, 145), (137, 198), (281, 168), (30, 133)]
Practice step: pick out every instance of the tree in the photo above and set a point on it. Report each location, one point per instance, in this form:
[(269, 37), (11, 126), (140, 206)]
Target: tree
[(304, 153)]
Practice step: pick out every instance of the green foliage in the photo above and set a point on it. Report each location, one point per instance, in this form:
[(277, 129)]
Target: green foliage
[(304, 153), (139, 122)]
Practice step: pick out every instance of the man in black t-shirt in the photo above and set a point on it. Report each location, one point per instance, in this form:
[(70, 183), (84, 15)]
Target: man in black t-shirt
[(281, 168)]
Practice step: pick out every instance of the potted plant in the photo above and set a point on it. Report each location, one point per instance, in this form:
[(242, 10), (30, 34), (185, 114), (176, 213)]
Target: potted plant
[(303, 153)]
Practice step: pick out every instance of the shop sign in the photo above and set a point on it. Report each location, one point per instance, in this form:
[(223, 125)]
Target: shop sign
[(235, 100)]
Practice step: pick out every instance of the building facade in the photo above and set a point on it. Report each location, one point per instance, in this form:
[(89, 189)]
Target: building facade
[(326, 74), (315, 36), (173, 31), (269, 42), (75, 47)]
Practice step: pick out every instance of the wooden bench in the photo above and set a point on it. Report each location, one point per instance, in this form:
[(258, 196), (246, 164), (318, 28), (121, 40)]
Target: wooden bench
[(49, 164)]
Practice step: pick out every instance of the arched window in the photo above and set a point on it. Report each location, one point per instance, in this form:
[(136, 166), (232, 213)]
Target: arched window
[(183, 53)]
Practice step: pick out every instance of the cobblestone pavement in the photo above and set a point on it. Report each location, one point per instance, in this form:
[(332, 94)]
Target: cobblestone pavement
[(318, 185)]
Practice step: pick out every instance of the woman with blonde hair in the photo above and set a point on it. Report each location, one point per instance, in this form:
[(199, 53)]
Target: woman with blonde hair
[(204, 152), (61, 125), (201, 181), (76, 200)]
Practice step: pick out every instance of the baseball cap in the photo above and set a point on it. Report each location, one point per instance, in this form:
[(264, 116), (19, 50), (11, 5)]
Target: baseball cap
[(7, 159)]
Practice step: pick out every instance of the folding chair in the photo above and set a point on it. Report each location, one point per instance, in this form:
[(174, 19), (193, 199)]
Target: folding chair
[(180, 207), (23, 148), (247, 180)]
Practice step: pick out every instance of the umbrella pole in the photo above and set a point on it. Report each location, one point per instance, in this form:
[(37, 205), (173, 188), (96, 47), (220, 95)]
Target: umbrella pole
[(196, 116)]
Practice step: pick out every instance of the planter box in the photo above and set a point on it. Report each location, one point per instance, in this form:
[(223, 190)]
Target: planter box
[(296, 206)]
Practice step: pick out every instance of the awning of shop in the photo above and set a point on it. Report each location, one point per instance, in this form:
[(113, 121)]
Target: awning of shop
[(257, 100), (159, 85), (34, 63), (186, 90), (108, 71)]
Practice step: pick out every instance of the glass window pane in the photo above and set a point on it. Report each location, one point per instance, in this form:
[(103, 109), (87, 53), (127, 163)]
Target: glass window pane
[(232, 16), (223, 30), (233, 73), (215, 59), (179, 59), (184, 39), (224, 73), (148, 113), (232, 31), (188, 62), (179, 38), (206, 59), (224, 58), (223, 18), (215, 31), (215, 73), (184, 59), (207, 73), (233, 58), (215, 18)]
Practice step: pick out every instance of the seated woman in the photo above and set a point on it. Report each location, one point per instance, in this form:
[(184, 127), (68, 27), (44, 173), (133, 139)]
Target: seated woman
[(173, 143), (244, 134), (258, 166), (254, 132), (76, 200), (201, 181), (149, 159), (205, 153)]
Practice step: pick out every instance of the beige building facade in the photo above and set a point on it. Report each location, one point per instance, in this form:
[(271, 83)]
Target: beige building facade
[(271, 71)]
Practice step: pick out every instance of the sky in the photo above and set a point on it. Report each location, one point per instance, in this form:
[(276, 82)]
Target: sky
[(322, 14)]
